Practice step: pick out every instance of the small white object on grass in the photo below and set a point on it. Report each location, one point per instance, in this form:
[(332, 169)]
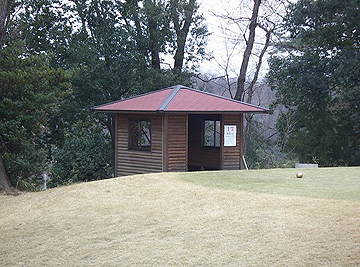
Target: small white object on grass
[(299, 175)]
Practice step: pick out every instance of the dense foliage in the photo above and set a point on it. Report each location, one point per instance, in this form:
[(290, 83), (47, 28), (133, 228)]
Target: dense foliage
[(30, 91), (103, 50), (82, 157), (318, 82)]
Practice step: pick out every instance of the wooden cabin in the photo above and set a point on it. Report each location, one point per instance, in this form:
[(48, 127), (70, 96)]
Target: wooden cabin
[(178, 129)]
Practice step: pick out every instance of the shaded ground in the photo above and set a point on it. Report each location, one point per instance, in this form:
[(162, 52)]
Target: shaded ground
[(159, 219)]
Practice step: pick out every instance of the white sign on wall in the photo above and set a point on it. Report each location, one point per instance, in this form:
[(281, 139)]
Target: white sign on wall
[(229, 135)]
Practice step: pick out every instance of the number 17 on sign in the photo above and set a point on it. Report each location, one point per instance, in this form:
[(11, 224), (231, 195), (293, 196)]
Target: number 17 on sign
[(229, 135)]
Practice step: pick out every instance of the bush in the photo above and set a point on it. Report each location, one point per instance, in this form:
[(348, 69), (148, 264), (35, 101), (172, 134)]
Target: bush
[(85, 156)]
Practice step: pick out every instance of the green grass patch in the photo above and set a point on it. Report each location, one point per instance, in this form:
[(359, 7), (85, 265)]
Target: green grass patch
[(328, 183)]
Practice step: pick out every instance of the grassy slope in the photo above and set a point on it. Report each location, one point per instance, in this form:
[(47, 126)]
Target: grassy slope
[(161, 220), (332, 183)]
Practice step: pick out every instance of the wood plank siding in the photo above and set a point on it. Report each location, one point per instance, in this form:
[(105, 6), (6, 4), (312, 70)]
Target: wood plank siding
[(177, 142), (130, 161), (232, 156)]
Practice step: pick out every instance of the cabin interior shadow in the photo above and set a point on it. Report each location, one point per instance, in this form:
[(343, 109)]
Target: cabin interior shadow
[(204, 142)]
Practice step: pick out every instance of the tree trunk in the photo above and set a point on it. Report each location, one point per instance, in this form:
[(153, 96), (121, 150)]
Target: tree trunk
[(153, 28), (110, 123), (154, 43), (181, 33), (4, 13), (249, 45), (4, 179), (179, 54)]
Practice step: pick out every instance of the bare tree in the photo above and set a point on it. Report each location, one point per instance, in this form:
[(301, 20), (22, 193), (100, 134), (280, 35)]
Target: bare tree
[(251, 27), (252, 35)]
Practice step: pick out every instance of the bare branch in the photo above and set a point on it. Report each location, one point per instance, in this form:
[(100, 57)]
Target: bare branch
[(208, 80)]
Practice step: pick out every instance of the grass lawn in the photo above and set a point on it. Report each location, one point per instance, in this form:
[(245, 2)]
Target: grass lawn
[(327, 183), (231, 218)]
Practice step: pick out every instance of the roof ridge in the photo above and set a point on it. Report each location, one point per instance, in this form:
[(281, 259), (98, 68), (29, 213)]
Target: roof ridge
[(170, 97)]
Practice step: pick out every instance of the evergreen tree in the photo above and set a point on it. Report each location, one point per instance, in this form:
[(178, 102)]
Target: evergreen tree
[(318, 82), (30, 91)]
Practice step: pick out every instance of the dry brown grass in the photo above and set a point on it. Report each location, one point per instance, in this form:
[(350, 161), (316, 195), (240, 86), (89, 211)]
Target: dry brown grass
[(159, 220)]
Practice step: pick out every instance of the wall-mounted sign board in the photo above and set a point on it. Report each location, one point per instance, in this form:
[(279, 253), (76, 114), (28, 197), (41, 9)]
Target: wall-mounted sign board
[(229, 135)]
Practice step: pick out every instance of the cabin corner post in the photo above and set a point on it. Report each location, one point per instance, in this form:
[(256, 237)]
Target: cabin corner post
[(116, 146), (165, 148), (221, 163), (187, 142)]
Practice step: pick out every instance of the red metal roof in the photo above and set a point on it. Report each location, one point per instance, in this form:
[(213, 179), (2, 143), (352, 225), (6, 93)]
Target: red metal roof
[(146, 102), (179, 99)]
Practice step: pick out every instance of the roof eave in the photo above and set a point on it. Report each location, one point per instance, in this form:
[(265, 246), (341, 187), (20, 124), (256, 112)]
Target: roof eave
[(214, 112), (124, 111), (179, 111)]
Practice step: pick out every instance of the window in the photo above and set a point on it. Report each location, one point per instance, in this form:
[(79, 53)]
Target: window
[(140, 134), (212, 133)]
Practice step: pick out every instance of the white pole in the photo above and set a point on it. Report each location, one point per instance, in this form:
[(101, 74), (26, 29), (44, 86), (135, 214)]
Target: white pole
[(45, 178), (245, 163)]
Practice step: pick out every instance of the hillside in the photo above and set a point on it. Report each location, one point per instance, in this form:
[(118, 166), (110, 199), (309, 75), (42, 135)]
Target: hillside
[(161, 219)]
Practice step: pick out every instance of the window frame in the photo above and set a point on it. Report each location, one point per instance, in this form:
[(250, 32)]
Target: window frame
[(130, 134), (214, 145)]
